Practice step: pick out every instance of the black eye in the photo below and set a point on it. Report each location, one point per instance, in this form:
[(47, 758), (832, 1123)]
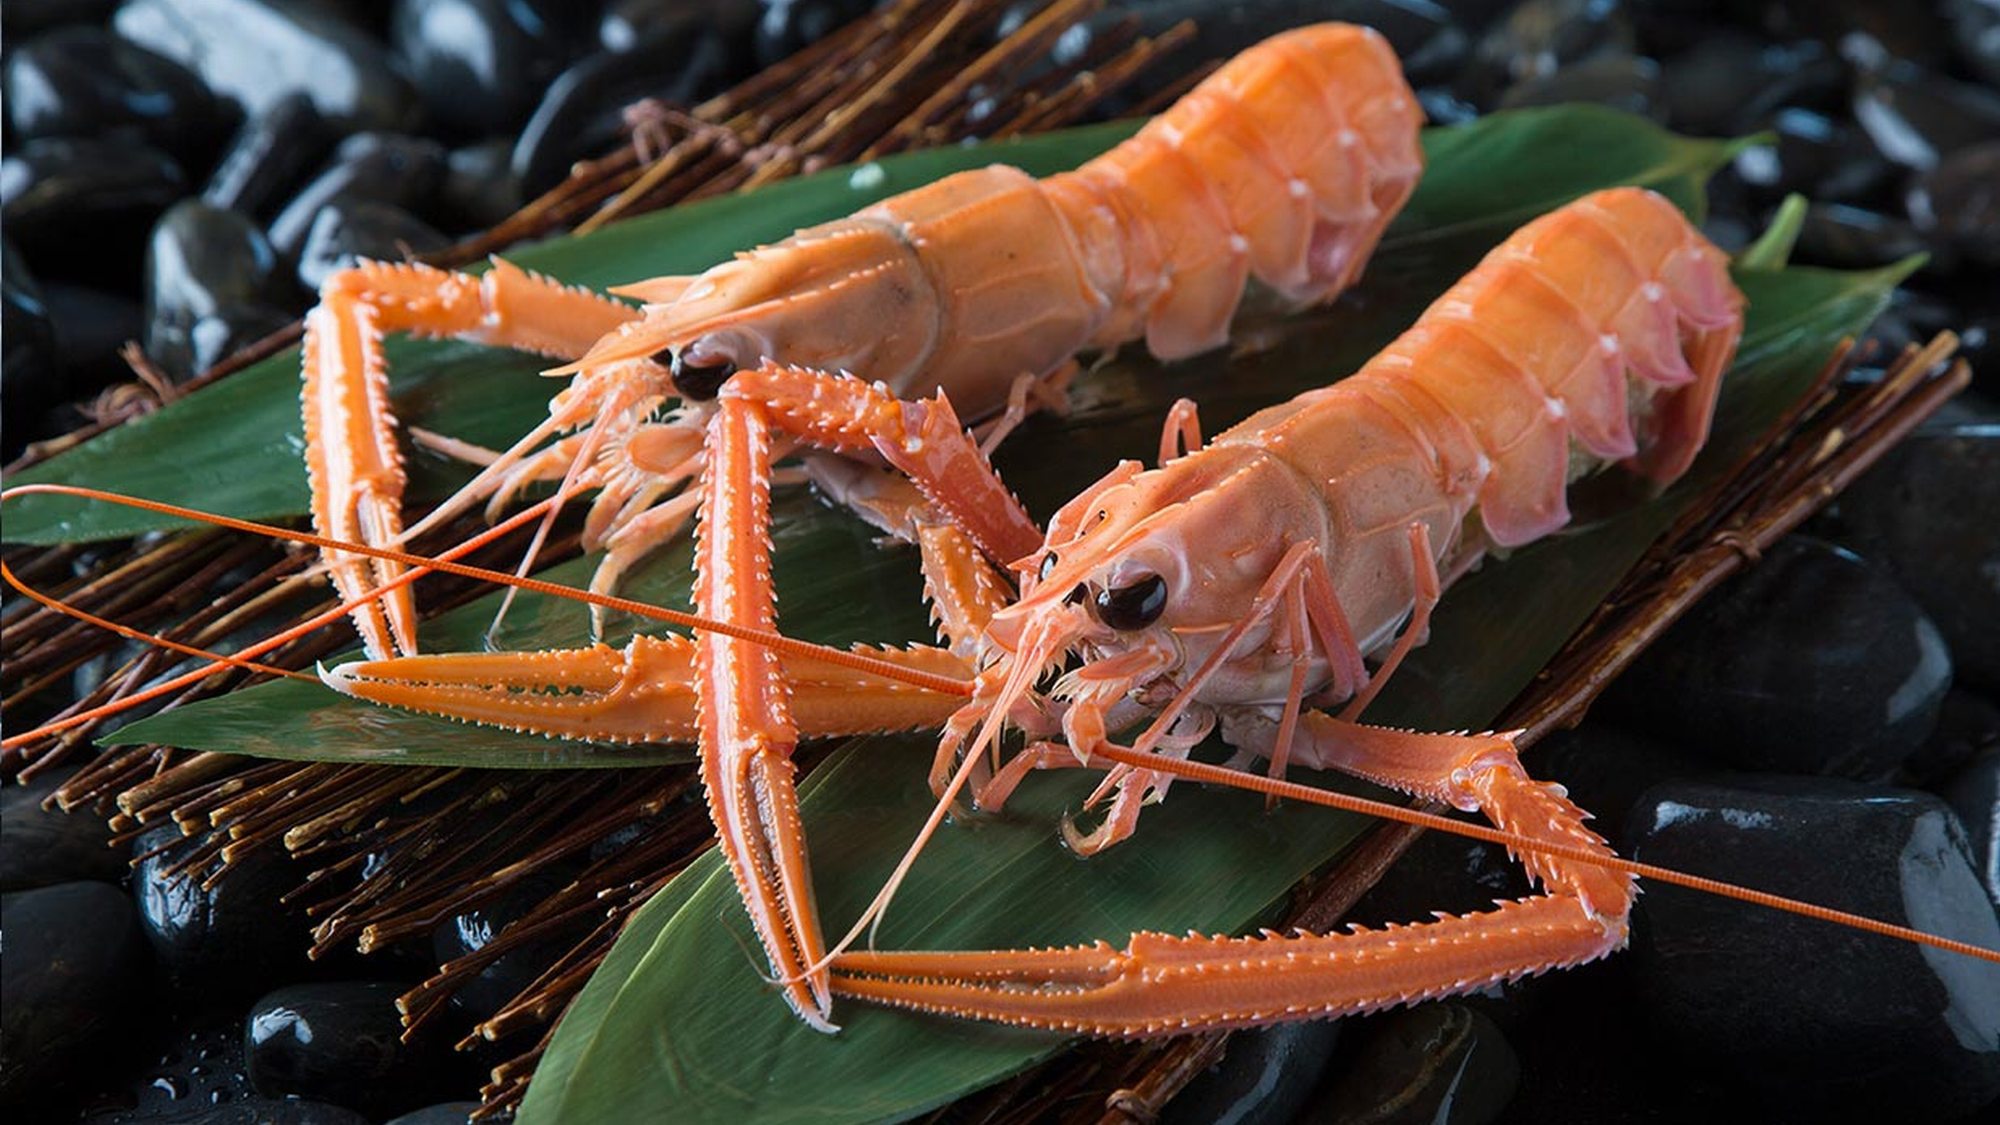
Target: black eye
[(1134, 605), (696, 384), (1048, 564)]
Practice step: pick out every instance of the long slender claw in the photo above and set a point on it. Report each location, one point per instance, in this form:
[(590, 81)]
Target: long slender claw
[(354, 466), (642, 693)]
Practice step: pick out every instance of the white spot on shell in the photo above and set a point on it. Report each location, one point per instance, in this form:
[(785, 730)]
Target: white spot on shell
[(1484, 466), (1348, 138), (868, 177), (1653, 291), (1298, 188), (1239, 244), (1608, 344), (1557, 409)]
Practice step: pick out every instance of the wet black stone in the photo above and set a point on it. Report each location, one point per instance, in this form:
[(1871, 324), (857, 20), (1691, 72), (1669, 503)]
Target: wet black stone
[(1835, 234), (1819, 1020), (259, 51), (1434, 1064), (40, 847), (1974, 794), (479, 188), (186, 1074), (1975, 29), (1958, 203), (30, 380), (1442, 107), (1968, 726), (74, 961), (387, 168), (1917, 117), (78, 209), (1540, 37), (1729, 83), (1606, 768), (348, 230), (1925, 512), (1265, 1077), (91, 324), (341, 1042), (628, 23), (271, 155), (507, 975), (1623, 82), (583, 114), (246, 1111), (1815, 156), (25, 17), (1812, 662), (226, 940), (212, 281), (447, 1113), (479, 65), (85, 82), (784, 26)]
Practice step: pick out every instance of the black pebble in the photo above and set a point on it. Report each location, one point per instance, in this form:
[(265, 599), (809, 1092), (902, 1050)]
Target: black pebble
[(384, 167), (1622, 82), (341, 1042), (1975, 795), (1812, 662), (480, 188), (30, 379), (1820, 1020), (447, 1113), (479, 65), (86, 82), (507, 975), (79, 209), (229, 939), (785, 26), (1435, 1064), (73, 970), (271, 155), (40, 847), (256, 52), (350, 229), (212, 286), (1265, 1077)]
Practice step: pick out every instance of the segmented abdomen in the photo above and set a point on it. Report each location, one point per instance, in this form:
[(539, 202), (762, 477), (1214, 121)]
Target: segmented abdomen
[(1284, 165)]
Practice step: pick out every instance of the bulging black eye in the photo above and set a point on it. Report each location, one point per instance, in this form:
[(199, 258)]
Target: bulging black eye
[(1134, 605), (696, 384)]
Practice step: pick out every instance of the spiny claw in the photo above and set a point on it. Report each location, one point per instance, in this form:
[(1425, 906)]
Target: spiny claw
[(641, 693)]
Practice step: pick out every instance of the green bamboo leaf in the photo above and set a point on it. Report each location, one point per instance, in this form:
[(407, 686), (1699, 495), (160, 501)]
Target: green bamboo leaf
[(679, 1024), (235, 448), (1482, 182)]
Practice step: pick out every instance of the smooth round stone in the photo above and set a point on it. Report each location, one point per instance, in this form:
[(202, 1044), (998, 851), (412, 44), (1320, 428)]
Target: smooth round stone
[(1812, 662), (1814, 1018), (1925, 512), (30, 378), (257, 52), (91, 325), (1539, 37), (1623, 82), (40, 847), (1974, 794), (1835, 234), (341, 1042), (1815, 156), (74, 961), (1968, 726), (348, 230), (383, 167), (206, 264), (479, 188), (1917, 117), (626, 24), (271, 155), (244, 1111), (785, 26), (1435, 1064), (1266, 1076), (229, 939), (1975, 30), (79, 208), (84, 82), (479, 65), (1958, 202), (583, 114), (1442, 107), (507, 975), (1730, 83), (1607, 767), (447, 1113), (192, 1073)]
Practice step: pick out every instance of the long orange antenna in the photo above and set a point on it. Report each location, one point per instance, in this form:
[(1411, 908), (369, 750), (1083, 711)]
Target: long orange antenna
[(421, 565)]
